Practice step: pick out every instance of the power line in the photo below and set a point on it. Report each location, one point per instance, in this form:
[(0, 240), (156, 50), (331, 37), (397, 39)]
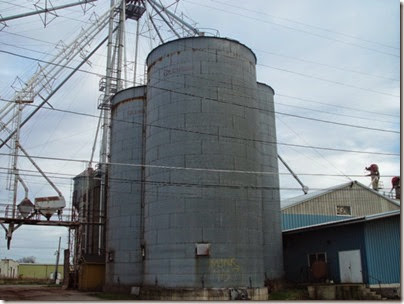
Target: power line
[(337, 106), (221, 101), (326, 65), (31, 58), (309, 25), (321, 155), (212, 185), (134, 165), (327, 80), (333, 113), (223, 136), (271, 67), (69, 176), (294, 106), (294, 29)]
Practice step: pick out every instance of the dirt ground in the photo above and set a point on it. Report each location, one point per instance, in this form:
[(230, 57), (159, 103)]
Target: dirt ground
[(42, 293)]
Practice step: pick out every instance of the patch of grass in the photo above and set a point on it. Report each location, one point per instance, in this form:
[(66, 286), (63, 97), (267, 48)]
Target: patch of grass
[(115, 296), (23, 282), (289, 294)]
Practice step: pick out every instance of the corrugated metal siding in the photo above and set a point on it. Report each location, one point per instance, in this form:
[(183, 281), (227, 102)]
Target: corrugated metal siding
[(382, 241), (329, 240), (361, 201), (290, 221)]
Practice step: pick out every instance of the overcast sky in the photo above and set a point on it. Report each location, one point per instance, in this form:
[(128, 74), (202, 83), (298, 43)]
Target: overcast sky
[(335, 61)]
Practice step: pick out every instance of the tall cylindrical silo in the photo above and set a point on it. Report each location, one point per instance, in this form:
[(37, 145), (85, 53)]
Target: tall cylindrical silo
[(124, 209), (203, 228), (271, 213)]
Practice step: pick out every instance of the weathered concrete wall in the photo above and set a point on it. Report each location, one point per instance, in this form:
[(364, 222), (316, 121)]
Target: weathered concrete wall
[(203, 294), (267, 158), (207, 85), (123, 235)]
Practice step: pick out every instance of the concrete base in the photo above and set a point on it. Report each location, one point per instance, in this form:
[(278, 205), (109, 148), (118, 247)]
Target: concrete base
[(342, 292), (200, 294), (388, 292)]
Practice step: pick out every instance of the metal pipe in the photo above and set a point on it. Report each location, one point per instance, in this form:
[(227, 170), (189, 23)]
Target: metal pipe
[(45, 10), (54, 91), (155, 28), (24, 185), (40, 171), (304, 188), (175, 17), (57, 261), (15, 160), (136, 52), (95, 140), (57, 63), (164, 19), (120, 45), (105, 127)]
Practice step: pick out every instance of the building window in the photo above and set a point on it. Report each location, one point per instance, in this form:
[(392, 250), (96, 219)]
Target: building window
[(316, 257), (343, 210)]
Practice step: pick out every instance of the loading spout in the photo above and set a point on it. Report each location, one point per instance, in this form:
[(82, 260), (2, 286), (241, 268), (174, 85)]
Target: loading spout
[(304, 188)]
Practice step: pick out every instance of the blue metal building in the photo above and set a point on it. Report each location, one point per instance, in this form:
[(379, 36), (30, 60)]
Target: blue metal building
[(363, 249)]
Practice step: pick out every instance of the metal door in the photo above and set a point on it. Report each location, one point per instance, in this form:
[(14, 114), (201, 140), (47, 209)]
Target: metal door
[(350, 266)]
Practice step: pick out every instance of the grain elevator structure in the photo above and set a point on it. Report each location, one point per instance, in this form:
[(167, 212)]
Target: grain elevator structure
[(193, 182)]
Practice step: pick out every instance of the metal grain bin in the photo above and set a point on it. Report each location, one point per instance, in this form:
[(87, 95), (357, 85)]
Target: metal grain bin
[(205, 228), (124, 212)]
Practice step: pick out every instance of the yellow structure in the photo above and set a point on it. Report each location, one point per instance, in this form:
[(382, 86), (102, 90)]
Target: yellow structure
[(91, 276), (39, 271)]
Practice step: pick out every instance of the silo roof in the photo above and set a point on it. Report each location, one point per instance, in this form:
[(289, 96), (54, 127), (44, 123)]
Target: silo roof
[(201, 37)]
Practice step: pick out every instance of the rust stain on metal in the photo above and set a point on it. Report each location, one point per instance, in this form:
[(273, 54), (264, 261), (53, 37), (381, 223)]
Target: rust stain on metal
[(47, 199), (141, 98)]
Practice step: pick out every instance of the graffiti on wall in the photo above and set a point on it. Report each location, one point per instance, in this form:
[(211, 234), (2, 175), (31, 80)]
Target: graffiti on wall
[(224, 269)]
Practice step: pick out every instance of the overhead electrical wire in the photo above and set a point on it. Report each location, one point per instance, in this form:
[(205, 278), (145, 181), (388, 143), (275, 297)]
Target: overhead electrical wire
[(337, 106), (318, 152), (327, 80), (279, 94), (326, 65), (333, 113), (134, 165), (308, 76), (203, 184), (222, 101), (70, 175), (323, 121), (293, 28), (224, 136), (266, 52), (308, 25)]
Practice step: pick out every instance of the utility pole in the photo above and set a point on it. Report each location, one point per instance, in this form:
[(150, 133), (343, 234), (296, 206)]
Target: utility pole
[(57, 261)]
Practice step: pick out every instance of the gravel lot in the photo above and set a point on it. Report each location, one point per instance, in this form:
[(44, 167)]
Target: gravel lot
[(42, 293)]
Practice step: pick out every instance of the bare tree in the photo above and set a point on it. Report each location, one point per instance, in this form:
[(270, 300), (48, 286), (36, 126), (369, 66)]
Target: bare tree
[(28, 259)]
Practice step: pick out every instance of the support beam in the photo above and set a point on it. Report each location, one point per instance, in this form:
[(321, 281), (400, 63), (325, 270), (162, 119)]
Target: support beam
[(196, 32), (54, 91), (45, 10)]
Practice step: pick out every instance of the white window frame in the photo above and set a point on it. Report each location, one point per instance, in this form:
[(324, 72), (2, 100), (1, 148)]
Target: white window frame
[(336, 210), (316, 254)]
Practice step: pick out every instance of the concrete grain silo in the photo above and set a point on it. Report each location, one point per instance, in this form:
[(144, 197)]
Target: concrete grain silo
[(199, 221), (124, 213), (268, 159), (205, 85)]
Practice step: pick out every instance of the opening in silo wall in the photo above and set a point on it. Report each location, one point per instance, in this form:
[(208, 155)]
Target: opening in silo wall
[(124, 213), (207, 86)]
